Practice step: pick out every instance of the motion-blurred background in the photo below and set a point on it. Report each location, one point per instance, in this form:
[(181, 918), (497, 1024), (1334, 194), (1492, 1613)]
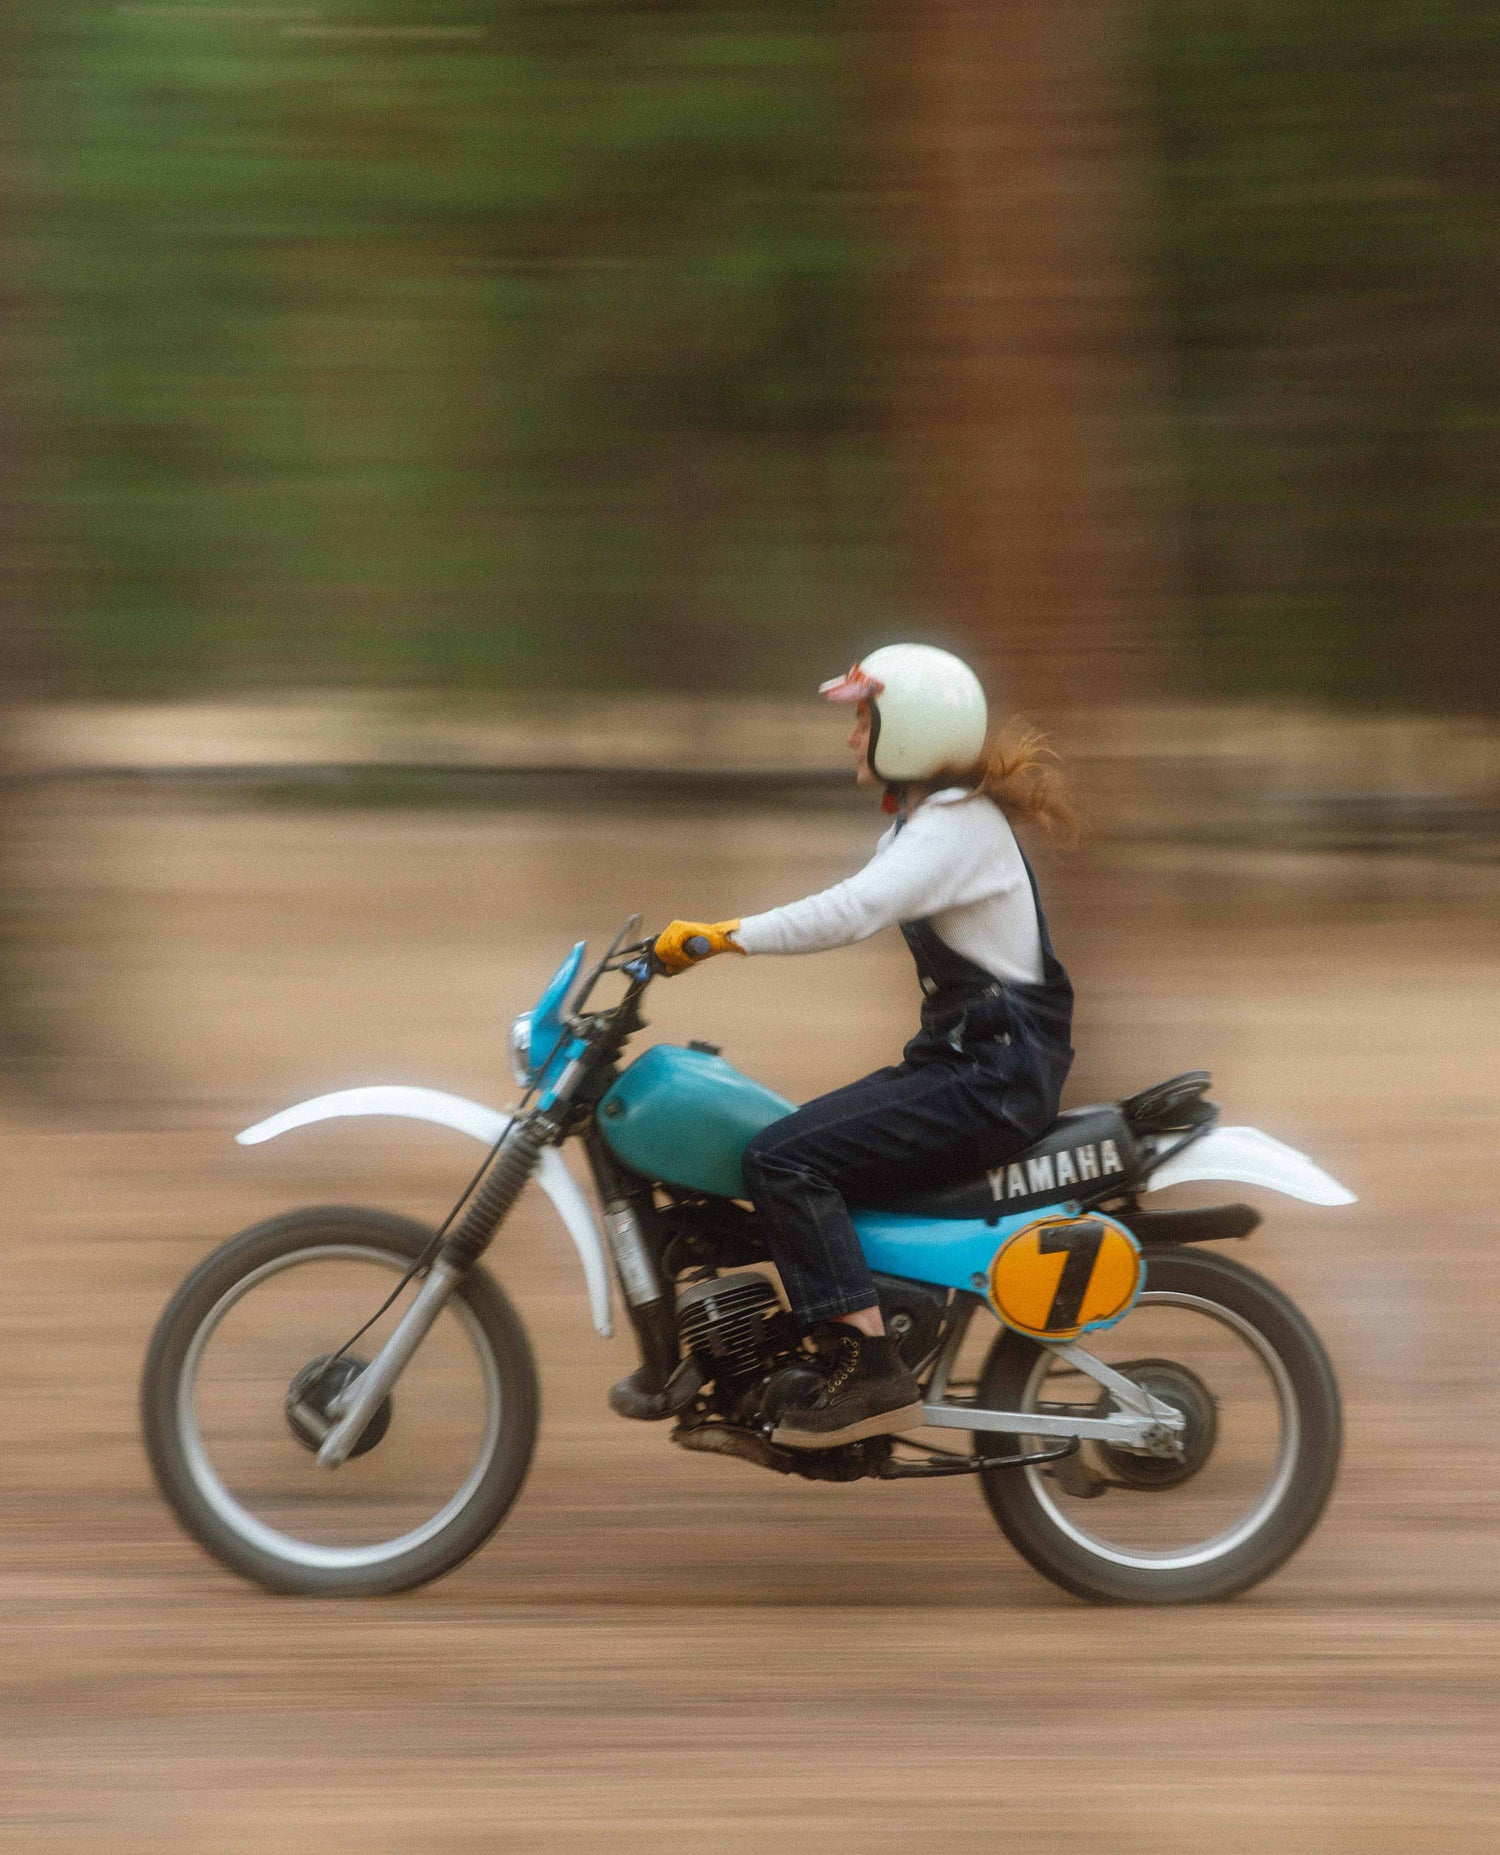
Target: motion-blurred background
[(441, 445), (684, 346)]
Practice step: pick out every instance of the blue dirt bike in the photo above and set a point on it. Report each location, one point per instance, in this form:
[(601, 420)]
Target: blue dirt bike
[(343, 1401)]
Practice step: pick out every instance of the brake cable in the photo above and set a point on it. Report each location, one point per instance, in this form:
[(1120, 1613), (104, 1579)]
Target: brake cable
[(431, 1248)]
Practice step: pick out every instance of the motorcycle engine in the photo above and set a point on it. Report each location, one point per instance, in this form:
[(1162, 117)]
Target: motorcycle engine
[(736, 1329)]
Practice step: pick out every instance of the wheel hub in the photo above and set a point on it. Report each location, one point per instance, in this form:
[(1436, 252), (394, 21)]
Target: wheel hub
[(310, 1398), (1186, 1393)]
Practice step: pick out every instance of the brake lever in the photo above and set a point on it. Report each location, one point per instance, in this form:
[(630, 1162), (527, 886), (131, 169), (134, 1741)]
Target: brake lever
[(644, 966), (649, 967)]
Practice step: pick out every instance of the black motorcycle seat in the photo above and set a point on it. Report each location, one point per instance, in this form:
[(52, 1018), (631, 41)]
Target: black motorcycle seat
[(1085, 1148)]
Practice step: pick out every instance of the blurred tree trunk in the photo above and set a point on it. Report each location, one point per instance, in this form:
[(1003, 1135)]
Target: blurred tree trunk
[(1025, 389), (22, 1043)]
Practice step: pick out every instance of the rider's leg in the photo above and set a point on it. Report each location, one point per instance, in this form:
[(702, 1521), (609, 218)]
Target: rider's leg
[(799, 1172), (890, 1133)]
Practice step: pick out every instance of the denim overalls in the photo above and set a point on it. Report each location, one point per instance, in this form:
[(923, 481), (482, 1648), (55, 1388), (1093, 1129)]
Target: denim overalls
[(980, 1081)]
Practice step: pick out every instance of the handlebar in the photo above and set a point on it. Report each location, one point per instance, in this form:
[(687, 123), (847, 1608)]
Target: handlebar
[(642, 965)]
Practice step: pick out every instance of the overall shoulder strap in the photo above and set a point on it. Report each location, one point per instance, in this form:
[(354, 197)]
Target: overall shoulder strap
[(1043, 931)]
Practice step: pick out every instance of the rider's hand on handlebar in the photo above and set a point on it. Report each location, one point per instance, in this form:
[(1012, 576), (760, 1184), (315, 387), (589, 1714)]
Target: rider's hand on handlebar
[(684, 943)]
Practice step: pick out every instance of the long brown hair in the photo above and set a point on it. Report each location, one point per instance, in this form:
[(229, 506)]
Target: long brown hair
[(1019, 770)]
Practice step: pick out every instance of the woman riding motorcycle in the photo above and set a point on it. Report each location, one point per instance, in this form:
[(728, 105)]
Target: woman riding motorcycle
[(982, 1078)]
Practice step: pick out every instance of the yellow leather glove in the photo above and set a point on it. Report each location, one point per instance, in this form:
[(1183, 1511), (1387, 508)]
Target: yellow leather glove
[(671, 947)]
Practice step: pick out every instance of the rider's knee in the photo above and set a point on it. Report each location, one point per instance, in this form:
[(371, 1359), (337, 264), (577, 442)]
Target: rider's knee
[(764, 1154)]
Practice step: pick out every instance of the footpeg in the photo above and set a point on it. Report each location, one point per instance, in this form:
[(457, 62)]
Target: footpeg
[(851, 1462), (722, 1439)]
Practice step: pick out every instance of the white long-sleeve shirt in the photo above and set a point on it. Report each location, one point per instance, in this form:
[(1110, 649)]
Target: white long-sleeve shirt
[(955, 863)]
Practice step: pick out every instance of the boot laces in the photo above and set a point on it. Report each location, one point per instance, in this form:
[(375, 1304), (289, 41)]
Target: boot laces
[(843, 1368)]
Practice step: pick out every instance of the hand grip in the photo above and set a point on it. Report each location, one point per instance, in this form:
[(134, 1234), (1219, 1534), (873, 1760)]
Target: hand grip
[(699, 946)]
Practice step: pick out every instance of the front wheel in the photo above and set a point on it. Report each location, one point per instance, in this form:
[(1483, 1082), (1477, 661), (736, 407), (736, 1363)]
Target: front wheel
[(240, 1369), (1255, 1463)]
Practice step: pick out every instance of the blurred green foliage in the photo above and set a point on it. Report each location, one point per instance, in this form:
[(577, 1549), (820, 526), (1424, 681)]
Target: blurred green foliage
[(446, 342), (1329, 186)]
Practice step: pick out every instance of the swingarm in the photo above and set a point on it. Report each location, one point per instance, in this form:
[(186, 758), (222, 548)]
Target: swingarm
[(1141, 1421), (1127, 1429)]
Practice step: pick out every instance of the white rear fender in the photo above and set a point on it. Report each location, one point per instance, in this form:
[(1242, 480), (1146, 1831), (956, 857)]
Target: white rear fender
[(483, 1124), (1248, 1157)]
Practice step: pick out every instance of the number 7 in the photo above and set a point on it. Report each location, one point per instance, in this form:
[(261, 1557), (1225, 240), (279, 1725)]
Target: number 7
[(1080, 1239)]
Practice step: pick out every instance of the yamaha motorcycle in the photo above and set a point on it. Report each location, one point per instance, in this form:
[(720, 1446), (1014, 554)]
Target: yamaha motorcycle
[(344, 1401)]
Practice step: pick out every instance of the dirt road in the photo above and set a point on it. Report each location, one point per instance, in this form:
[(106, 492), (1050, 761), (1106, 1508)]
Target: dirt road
[(662, 1652)]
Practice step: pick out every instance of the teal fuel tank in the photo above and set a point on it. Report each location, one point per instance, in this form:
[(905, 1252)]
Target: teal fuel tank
[(684, 1116)]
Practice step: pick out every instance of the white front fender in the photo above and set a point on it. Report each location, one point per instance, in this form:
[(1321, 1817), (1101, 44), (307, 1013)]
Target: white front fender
[(480, 1123), (1248, 1157)]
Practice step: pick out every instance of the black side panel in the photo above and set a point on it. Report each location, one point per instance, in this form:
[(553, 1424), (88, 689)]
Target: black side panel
[(1086, 1149), (916, 1314), (1216, 1224)]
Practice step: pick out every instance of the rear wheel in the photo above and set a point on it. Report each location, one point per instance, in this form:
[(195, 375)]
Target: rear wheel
[(1254, 1466), (236, 1392)]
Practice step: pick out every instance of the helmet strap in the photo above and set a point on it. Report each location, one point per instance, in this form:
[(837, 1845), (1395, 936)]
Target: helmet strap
[(894, 798), (874, 741)]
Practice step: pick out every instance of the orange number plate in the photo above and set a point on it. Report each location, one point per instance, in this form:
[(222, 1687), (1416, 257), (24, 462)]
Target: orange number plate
[(1062, 1276)]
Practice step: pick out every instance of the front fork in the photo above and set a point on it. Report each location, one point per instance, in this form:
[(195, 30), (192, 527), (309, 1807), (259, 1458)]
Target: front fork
[(629, 1211), (358, 1403), (501, 1186)]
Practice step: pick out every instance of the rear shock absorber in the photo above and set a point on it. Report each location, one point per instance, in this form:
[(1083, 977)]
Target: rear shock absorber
[(499, 1190)]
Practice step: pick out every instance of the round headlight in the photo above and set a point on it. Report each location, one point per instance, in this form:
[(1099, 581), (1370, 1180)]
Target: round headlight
[(520, 1048)]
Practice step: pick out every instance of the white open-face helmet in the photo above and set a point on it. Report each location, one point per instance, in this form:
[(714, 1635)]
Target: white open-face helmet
[(927, 710)]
